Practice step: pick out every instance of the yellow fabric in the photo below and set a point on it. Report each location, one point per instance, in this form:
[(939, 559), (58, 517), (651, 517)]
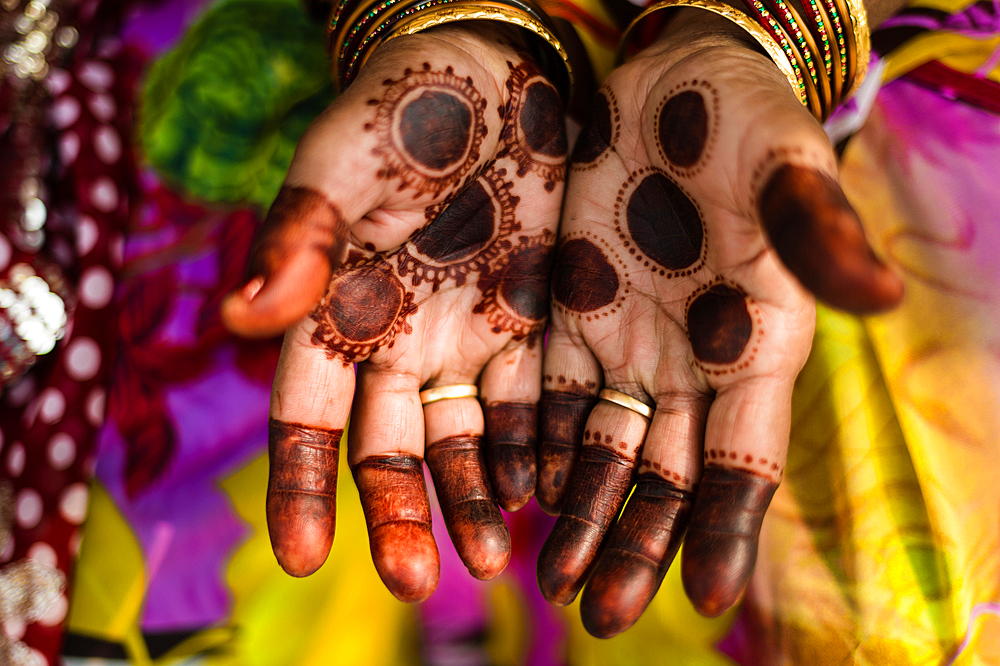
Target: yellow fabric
[(343, 609), (958, 52), (109, 591), (670, 631), (882, 545)]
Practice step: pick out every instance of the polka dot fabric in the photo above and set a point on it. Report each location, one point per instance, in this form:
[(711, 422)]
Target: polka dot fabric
[(48, 420)]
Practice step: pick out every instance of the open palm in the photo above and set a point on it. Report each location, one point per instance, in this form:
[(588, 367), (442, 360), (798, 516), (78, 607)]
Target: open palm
[(420, 211), (698, 183)]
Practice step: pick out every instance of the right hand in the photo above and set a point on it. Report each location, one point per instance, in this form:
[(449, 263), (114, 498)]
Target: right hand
[(424, 204)]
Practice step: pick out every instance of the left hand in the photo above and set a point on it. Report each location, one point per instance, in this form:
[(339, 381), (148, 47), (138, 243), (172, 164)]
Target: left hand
[(702, 199)]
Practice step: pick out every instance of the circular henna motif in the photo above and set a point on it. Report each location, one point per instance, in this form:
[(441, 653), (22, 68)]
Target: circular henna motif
[(515, 293), (686, 122), (720, 326), (364, 309), (599, 134), (431, 125), (534, 136), (585, 282), (435, 129), (660, 225), (466, 237)]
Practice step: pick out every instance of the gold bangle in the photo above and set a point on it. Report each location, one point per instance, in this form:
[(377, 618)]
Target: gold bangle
[(626, 401), (755, 30), (448, 392), (482, 11), (862, 40)]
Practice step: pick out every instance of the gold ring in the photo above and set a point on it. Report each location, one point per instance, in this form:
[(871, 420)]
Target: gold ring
[(447, 392), (626, 401)]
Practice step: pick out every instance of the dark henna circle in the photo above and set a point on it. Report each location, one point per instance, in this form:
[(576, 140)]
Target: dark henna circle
[(600, 480), (398, 515), (599, 135), (302, 494), (721, 545), (720, 327), (364, 309), (299, 217), (662, 227), (431, 125), (585, 283), (535, 134), (564, 414), (516, 292), (639, 551), (458, 466), (511, 439), (685, 125), (470, 234)]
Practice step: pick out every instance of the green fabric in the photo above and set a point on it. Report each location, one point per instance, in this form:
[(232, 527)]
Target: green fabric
[(222, 112)]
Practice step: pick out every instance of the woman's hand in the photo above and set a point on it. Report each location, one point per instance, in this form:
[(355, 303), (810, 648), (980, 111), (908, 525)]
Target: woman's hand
[(702, 198), (420, 214)]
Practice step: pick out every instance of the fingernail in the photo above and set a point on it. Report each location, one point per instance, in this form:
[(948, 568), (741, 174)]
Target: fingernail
[(252, 288)]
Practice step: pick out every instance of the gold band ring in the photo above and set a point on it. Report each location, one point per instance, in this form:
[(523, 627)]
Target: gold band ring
[(447, 392), (626, 401)]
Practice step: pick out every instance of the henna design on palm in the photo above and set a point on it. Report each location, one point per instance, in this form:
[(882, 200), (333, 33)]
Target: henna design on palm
[(721, 320), (686, 124), (585, 284), (531, 136), (515, 293), (663, 227), (365, 309), (599, 136), (431, 126), (466, 237)]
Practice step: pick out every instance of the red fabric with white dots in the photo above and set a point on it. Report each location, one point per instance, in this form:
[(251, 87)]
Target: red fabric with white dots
[(48, 420)]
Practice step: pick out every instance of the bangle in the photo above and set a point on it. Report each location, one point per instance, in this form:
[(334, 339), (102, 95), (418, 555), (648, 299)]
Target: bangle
[(769, 43), (795, 28), (358, 27), (862, 44)]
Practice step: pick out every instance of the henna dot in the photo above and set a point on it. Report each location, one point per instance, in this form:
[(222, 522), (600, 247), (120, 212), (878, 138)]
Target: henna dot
[(748, 458), (597, 134), (583, 279), (719, 325), (463, 228), (683, 128), (364, 304), (541, 120), (711, 452), (732, 454), (436, 129), (597, 435), (622, 445), (608, 439), (665, 223)]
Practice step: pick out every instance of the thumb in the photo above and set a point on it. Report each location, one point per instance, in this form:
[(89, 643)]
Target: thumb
[(302, 241)]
